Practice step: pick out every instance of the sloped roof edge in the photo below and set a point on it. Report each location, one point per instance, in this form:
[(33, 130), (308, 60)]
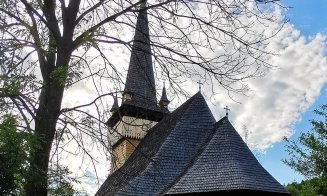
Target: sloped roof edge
[(226, 164), (148, 147)]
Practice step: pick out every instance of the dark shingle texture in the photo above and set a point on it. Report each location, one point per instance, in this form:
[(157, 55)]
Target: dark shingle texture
[(175, 153), (188, 153), (226, 164), (164, 153), (140, 78)]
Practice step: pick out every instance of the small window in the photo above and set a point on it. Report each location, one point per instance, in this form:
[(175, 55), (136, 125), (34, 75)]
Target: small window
[(127, 97)]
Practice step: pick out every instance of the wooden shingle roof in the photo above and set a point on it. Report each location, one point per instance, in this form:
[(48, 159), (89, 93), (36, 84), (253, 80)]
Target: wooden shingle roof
[(140, 81), (226, 164), (188, 153), (140, 77), (164, 153)]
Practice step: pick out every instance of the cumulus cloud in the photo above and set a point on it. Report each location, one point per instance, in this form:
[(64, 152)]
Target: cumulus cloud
[(275, 102)]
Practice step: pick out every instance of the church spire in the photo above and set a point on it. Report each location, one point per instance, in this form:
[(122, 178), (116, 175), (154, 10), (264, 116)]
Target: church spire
[(139, 109), (140, 84), (164, 100), (115, 105), (139, 96)]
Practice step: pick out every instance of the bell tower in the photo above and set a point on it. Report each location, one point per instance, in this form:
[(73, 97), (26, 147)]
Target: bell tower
[(139, 109)]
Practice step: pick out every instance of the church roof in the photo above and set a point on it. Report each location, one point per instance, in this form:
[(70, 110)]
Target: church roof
[(164, 153), (140, 77), (187, 152), (226, 163)]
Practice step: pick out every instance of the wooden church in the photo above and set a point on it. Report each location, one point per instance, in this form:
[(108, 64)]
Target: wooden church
[(182, 152)]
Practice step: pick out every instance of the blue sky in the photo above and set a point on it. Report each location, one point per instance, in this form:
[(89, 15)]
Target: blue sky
[(310, 18), (272, 159)]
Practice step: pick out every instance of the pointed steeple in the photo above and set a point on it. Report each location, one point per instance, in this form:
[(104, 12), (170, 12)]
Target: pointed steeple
[(164, 100), (140, 84), (115, 105), (139, 96)]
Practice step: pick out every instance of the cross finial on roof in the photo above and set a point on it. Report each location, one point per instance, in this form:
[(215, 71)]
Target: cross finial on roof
[(227, 109), (199, 85)]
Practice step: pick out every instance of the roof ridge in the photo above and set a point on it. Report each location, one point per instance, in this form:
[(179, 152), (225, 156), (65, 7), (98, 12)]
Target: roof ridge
[(179, 112), (181, 107), (197, 156), (173, 119), (231, 169), (182, 113)]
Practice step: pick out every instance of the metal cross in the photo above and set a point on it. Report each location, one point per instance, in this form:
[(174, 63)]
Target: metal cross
[(227, 109), (199, 85)]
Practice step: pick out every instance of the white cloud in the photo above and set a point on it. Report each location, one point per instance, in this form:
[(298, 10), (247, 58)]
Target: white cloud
[(275, 102)]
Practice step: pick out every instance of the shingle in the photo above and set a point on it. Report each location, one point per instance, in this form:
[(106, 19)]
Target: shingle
[(140, 78), (146, 163), (187, 153), (226, 164), (177, 150)]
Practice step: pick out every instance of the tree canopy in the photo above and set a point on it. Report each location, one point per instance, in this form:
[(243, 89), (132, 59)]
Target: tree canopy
[(14, 149), (308, 155), (313, 186)]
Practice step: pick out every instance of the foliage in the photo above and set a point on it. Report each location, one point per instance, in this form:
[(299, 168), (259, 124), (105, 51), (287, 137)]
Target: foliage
[(308, 155), (61, 183), (311, 187), (15, 147), (14, 152)]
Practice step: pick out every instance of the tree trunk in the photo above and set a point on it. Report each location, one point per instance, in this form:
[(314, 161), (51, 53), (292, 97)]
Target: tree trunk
[(45, 127)]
